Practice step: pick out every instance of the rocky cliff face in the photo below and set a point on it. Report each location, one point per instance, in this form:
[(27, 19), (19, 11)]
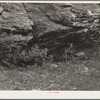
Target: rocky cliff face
[(57, 17), (21, 18), (60, 24), (52, 26)]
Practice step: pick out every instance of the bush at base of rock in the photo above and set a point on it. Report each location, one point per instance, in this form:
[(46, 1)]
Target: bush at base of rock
[(35, 55), (19, 55)]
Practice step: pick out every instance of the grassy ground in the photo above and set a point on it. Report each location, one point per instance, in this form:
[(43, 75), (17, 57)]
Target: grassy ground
[(79, 74)]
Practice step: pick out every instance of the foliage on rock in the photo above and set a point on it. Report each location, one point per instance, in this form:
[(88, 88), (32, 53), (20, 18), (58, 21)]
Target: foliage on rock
[(18, 55)]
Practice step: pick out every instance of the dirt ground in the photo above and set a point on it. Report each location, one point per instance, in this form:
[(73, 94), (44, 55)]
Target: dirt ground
[(79, 74)]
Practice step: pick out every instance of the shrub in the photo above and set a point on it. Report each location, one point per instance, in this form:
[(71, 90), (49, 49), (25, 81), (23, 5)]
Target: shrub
[(17, 54), (33, 56)]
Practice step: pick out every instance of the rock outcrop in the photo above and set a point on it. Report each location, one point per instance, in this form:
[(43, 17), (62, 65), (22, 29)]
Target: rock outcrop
[(62, 23), (14, 19), (47, 18), (52, 26)]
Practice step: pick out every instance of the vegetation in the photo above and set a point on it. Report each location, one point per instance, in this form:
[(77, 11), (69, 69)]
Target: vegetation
[(19, 55)]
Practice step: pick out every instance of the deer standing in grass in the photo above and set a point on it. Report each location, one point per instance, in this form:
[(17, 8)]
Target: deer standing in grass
[(63, 51), (69, 52)]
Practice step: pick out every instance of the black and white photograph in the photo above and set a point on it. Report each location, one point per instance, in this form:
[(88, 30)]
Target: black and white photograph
[(50, 46)]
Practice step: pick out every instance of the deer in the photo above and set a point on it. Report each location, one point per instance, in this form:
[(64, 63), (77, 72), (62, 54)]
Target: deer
[(63, 51), (69, 51)]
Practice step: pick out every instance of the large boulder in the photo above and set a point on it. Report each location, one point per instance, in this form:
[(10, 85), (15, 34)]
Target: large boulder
[(14, 19)]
